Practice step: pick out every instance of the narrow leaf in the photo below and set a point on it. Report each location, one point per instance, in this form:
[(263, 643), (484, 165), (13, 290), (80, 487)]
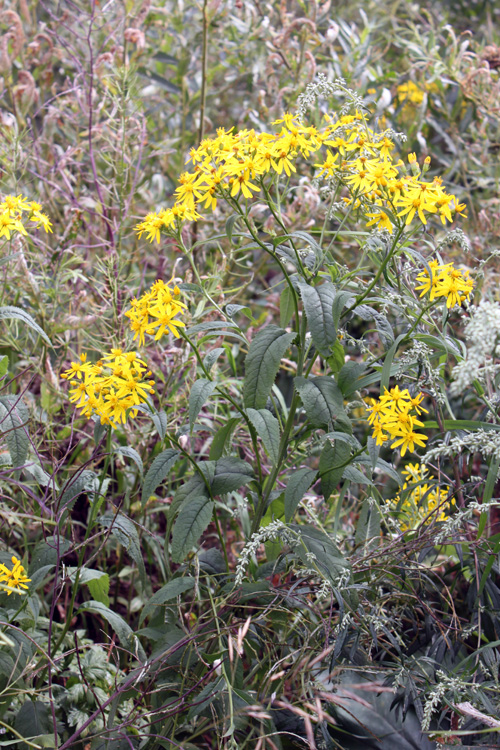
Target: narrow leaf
[(201, 391), (125, 531), (268, 429), (10, 312), (297, 486), (158, 471), (174, 588), (194, 517), (262, 364)]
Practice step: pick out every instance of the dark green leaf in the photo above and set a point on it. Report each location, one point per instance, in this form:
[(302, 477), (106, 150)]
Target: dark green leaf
[(296, 487), (10, 312), (194, 517), (287, 307), (85, 481), (262, 364), (32, 720), (341, 300), (163, 82), (201, 390), (323, 401), (368, 526), (328, 558), (120, 627), (125, 531), (318, 302), (222, 439), (158, 471), (268, 429), (13, 424), (131, 453), (226, 474), (174, 588), (331, 465)]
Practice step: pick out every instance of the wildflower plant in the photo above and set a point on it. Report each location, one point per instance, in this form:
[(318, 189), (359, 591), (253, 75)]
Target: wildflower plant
[(252, 454)]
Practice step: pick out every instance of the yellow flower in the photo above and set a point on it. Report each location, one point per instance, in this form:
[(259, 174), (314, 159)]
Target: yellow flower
[(15, 579)]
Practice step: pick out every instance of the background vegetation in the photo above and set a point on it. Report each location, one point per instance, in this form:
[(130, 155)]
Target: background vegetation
[(119, 642)]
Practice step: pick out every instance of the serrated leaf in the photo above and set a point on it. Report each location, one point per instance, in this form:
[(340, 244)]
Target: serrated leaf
[(262, 364), (194, 517), (268, 429), (85, 481), (174, 588), (125, 531), (131, 453), (211, 358), (10, 312), (13, 420), (287, 306), (222, 439), (327, 556), (368, 526), (332, 464), (195, 486), (296, 487), (32, 721), (318, 304), (158, 471), (323, 401), (117, 623), (201, 391), (96, 580), (227, 474)]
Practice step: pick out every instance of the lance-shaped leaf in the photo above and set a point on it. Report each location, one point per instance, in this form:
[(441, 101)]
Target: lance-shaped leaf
[(174, 588), (318, 304), (296, 487), (268, 429), (201, 390), (125, 531), (158, 471), (262, 364), (323, 402), (194, 517), (13, 420), (18, 314), (327, 556), (121, 628), (226, 474)]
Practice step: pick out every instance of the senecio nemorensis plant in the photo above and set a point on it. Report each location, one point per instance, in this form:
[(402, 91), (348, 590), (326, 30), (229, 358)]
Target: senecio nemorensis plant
[(339, 447)]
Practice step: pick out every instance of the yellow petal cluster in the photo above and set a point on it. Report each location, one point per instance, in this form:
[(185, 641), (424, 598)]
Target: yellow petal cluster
[(15, 578), (445, 281), (154, 313), (394, 416), (12, 210), (111, 387), (424, 501), (235, 164)]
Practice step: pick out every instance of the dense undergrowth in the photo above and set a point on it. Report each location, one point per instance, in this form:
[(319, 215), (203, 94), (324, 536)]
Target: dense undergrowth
[(249, 370)]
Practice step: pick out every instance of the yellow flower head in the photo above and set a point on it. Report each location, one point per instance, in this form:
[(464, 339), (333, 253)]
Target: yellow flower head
[(15, 579)]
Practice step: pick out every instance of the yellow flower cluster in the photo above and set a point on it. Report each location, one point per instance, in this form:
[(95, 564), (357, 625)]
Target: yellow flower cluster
[(111, 387), (424, 500), (154, 313), (15, 578), (445, 281), (394, 417), (410, 92), (11, 215), (235, 163)]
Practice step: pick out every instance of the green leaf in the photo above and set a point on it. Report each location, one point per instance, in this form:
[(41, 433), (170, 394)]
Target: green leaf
[(355, 475), (85, 481), (159, 418), (328, 558), (336, 360), (348, 379), (222, 439), (13, 420), (47, 553), (158, 471), (4, 365), (287, 307), (341, 300), (268, 429), (262, 364), (226, 474), (117, 623), (331, 465), (194, 487), (296, 487), (318, 304), (368, 526), (160, 80), (382, 324), (174, 588), (96, 580), (194, 517), (124, 450), (10, 312), (211, 358), (323, 402), (201, 390), (125, 531), (461, 424), (32, 720)]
